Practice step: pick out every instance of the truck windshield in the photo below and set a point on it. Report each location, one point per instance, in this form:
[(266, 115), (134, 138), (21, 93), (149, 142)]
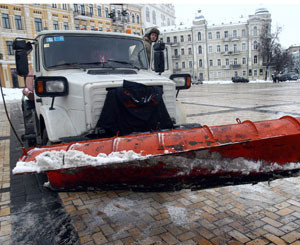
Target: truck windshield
[(90, 51)]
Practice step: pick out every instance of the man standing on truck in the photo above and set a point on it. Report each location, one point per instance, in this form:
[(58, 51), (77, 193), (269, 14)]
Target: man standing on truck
[(149, 38)]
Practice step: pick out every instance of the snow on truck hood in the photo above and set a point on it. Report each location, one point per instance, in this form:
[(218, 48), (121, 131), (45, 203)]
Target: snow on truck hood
[(80, 77)]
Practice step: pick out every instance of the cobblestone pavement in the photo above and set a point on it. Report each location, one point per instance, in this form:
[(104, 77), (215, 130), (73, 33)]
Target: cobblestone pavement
[(265, 213)]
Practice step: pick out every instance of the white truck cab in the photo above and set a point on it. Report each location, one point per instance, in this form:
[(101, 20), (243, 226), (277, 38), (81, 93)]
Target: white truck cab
[(73, 73)]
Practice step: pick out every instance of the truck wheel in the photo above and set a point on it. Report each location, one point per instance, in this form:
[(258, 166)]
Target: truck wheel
[(31, 142)]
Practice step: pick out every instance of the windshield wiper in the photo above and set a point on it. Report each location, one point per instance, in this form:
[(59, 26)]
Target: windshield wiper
[(66, 64), (81, 65), (126, 63)]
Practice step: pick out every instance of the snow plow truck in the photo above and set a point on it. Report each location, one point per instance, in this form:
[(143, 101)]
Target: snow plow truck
[(97, 114)]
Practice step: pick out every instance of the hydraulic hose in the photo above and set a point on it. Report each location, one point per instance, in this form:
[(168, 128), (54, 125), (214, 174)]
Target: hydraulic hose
[(8, 118)]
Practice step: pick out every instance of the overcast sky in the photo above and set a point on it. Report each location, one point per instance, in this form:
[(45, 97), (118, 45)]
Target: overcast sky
[(285, 15)]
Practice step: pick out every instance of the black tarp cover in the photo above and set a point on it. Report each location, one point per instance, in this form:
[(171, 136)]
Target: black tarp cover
[(132, 108)]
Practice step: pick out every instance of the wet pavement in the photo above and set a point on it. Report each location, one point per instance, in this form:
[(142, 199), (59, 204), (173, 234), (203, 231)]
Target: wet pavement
[(265, 213)]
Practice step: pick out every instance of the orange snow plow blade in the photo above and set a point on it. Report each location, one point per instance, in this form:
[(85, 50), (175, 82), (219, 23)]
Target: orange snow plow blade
[(195, 158)]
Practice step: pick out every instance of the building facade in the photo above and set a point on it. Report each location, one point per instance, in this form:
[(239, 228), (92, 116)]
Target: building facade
[(158, 15), (218, 52), (26, 20)]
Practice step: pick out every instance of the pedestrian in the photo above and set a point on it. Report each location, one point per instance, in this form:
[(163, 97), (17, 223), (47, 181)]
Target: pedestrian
[(149, 38)]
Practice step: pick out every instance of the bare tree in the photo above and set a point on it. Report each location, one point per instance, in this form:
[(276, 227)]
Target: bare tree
[(268, 46), (282, 60)]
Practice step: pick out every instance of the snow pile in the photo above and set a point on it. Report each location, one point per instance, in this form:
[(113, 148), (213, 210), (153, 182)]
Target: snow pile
[(51, 160), (11, 95), (214, 163)]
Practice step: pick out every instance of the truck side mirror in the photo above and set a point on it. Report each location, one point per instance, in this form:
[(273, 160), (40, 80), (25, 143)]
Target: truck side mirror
[(182, 81), (159, 58), (21, 51)]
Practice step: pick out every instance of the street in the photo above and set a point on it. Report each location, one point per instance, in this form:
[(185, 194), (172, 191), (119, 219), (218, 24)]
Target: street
[(265, 213)]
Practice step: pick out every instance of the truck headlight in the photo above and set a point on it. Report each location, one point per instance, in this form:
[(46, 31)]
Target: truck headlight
[(182, 81), (51, 86)]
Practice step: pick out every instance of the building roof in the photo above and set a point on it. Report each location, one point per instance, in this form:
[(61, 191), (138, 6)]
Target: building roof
[(261, 11), (174, 28)]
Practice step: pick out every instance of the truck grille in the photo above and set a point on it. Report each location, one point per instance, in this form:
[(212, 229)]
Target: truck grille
[(95, 97)]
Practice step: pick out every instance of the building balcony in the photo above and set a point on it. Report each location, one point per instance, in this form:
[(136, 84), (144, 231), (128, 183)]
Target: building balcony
[(227, 53), (174, 44), (175, 56), (226, 39), (82, 15), (235, 66), (236, 52), (176, 70), (235, 39), (226, 67)]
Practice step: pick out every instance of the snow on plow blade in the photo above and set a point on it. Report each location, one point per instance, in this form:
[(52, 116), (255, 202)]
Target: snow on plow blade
[(185, 158)]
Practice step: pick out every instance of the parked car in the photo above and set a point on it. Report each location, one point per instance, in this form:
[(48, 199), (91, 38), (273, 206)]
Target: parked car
[(287, 76), (196, 82), (238, 79), (282, 77), (292, 76)]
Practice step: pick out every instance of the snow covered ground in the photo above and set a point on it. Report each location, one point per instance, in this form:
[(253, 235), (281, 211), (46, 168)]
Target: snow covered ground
[(11, 95)]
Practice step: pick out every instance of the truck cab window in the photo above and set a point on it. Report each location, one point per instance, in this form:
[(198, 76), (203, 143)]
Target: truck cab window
[(90, 51)]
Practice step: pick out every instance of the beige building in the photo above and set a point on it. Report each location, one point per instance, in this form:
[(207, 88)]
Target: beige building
[(218, 52), (26, 20)]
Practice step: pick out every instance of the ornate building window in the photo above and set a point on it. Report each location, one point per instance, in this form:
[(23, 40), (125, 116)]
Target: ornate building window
[(99, 11), (91, 9), (255, 45), (66, 25), (255, 31), (199, 36), (234, 33), (18, 22), (244, 46), (200, 63), (255, 59), (75, 7), (38, 24), (147, 14), (226, 48), (243, 33), (153, 17), (9, 47), (106, 12), (55, 25), (209, 36), (82, 8), (5, 21), (199, 49)]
